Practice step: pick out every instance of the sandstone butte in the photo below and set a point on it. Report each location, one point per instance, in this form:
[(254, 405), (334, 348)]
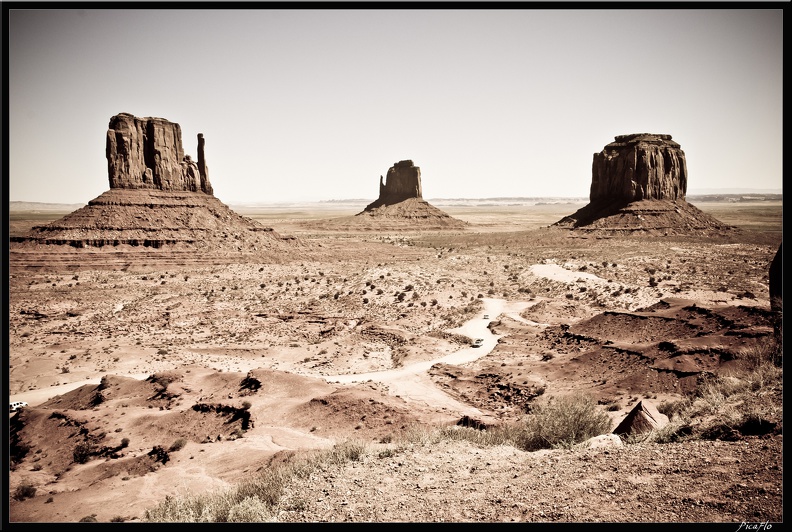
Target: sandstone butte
[(401, 201), (638, 185), (159, 199)]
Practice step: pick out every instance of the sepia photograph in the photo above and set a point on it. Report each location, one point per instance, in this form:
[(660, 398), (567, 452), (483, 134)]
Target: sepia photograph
[(350, 263)]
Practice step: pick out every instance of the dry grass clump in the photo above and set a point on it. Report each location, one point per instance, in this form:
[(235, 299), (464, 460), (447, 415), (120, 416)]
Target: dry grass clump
[(254, 500), (726, 404), (561, 422)]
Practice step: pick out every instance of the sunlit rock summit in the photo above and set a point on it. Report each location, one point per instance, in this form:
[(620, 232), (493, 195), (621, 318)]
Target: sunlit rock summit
[(638, 184), (159, 198)]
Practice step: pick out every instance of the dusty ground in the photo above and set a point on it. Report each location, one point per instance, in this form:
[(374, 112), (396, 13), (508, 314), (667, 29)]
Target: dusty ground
[(368, 336)]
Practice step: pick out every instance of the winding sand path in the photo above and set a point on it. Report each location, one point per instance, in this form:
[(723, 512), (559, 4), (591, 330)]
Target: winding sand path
[(411, 382)]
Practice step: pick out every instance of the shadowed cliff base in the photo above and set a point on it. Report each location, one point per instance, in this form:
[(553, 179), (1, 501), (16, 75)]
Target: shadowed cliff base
[(655, 217)]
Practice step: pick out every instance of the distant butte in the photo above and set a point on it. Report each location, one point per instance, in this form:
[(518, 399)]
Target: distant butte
[(638, 185), (159, 197), (401, 202)]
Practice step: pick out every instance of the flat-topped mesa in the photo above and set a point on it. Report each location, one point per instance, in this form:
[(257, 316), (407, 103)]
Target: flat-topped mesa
[(638, 185), (402, 182), (640, 166), (147, 153)]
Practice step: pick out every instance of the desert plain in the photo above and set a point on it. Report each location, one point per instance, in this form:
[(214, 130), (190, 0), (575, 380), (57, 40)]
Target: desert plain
[(154, 376)]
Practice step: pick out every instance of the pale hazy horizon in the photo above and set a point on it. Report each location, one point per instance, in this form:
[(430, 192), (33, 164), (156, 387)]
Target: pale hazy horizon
[(317, 104)]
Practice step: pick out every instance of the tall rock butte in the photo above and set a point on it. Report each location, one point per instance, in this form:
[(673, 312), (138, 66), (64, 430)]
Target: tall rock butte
[(148, 153), (400, 203), (159, 197), (403, 182), (639, 167), (638, 184)]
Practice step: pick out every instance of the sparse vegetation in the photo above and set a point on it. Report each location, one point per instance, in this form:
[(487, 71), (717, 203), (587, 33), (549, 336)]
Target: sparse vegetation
[(24, 491), (253, 500), (177, 445)]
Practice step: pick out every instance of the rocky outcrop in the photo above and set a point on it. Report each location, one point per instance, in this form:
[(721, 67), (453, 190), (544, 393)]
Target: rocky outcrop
[(400, 206), (159, 199), (641, 166), (403, 182), (776, 278), (147, 153), (642, 418), (638, 185)]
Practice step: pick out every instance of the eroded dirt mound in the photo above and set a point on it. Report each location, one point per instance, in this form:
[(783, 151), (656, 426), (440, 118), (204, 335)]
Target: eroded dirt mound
[(412, 214), (134, 221), (651, 217), (361, 411), (664, 349)]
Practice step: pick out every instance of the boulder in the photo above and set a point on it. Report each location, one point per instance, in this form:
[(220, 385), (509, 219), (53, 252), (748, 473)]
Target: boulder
[(642, 418), (603, 441)]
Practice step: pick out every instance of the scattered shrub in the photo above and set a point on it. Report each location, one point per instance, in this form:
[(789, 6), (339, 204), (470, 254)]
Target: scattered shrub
[(177, 445), (563, 422), (24, 491), (82, 452)]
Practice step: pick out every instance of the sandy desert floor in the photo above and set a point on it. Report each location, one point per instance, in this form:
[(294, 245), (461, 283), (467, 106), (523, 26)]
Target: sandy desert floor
[(369, 335)]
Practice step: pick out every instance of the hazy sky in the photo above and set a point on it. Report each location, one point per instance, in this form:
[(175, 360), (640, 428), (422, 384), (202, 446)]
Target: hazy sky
[(316, 104)]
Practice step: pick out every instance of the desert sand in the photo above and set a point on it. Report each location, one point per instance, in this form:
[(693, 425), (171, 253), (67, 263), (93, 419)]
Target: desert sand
[(367, 334)]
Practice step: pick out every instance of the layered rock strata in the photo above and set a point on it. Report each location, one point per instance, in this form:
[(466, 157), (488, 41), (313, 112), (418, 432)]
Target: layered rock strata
[(638, 167), (638, 184), (158, 198)]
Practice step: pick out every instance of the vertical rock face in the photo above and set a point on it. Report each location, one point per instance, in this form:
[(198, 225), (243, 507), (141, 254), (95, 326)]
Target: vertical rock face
[(776, 278), (402, 182), (148, 153), (640, 166)]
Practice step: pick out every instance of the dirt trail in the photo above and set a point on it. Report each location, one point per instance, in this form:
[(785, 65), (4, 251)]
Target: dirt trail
[(412, 382)]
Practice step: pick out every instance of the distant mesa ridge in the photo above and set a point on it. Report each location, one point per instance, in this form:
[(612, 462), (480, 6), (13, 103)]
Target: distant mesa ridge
[(158, 198), (638, 184)]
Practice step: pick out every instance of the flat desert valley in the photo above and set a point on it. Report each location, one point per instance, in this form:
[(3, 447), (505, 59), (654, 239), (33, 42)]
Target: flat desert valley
[(154, 378)]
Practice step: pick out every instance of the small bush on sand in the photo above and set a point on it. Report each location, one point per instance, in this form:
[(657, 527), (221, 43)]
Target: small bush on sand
[(24, 491), (82, 452), (563, 422), (178, 445)]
